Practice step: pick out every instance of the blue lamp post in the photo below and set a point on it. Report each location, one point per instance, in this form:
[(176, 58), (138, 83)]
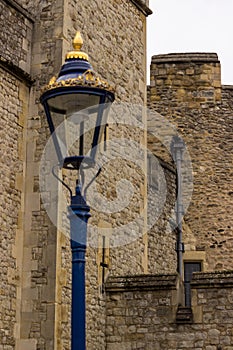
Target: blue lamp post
[(75, 97)]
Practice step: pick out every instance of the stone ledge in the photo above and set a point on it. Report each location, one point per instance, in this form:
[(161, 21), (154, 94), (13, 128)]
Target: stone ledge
[(142, 6), (16, 71), (223, 279), (141, 283), (20, 9), (227, 87), (186, 57)]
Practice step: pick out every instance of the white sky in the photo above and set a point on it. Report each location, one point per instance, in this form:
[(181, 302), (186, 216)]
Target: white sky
[(192, 26)]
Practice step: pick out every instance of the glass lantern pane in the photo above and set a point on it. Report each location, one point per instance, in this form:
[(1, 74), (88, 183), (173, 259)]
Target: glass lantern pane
[(79, 121), (100, 127), (73, 102)]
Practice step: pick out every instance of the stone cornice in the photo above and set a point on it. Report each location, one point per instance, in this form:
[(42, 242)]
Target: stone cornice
[(222, 279), (141, 283), (16, 71), (227, 87), (186, 57), (14, 4), (141, 5)]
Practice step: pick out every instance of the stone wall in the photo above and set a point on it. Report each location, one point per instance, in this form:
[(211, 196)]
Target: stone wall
[(116, 47), (162, 235), (35, 257), (15, 82), (141, 313), (11, 165), (16, 34), (186, 89)]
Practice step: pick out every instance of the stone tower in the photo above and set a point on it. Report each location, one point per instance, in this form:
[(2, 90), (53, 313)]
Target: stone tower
[(35, 284), (186, 88), (159, 311), (135, 298)]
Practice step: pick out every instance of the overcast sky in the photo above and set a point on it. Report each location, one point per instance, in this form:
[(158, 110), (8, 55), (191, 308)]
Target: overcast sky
[(192, 26)]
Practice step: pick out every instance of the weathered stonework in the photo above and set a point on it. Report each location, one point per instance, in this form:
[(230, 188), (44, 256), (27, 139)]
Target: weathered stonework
[(138, 308), (10, 199), (15, 36), (162, 236), (141, 313), (14, 96), (186, 89), (119, 57)]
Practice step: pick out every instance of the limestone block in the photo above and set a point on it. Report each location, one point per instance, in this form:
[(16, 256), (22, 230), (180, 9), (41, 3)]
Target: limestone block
[(26, 344)]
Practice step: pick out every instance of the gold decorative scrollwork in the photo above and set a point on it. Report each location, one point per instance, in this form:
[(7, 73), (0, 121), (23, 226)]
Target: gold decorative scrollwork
[(88, 78)]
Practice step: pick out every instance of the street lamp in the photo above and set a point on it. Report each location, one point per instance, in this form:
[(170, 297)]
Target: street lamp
[(76, 104)]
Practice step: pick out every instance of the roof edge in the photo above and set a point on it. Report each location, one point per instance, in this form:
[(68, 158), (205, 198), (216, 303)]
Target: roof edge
[(141, 283), (141, 5), (201, 57), (227, 87), (16, 71), (217, 279), (14, 4)]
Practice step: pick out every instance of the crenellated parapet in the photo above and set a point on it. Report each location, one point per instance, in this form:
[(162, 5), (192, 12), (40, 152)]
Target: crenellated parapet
[(190, 78)]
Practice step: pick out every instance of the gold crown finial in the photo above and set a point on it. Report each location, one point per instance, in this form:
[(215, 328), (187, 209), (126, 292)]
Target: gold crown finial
[(77, 45), (78, 41)]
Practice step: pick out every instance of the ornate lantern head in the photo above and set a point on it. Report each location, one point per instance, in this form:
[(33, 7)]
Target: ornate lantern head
[(76, 104)]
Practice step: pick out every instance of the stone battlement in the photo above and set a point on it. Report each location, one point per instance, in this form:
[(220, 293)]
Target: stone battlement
[(190, 78), (189, 57)]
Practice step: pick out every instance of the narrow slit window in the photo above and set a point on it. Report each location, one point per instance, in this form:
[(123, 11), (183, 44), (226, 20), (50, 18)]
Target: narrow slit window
[(189, 268)]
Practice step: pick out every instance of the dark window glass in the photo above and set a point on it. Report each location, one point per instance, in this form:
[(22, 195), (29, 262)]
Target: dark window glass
[(189, 268)]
